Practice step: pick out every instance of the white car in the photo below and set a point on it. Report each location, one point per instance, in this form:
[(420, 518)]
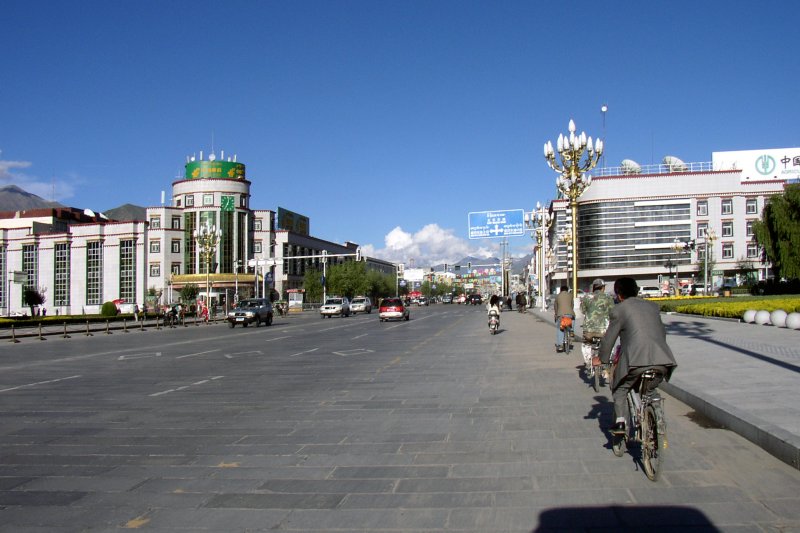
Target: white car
[(361, 304), (335, 306), (650, 291)]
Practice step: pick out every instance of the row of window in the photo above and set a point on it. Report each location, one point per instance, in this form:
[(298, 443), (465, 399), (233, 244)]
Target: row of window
[(726, 207), (208, 200), (62, 271), (155, 223)]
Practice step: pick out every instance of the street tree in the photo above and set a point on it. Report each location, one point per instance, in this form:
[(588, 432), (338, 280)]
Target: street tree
[(745, 268), (33, 297), (778, 232), (189, 293), (312, 283)]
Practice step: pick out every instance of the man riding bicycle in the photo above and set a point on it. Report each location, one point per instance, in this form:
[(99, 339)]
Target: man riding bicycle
[(564, 306), (637, 323), (596, 308)]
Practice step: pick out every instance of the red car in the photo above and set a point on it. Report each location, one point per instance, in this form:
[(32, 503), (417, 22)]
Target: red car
[(393, 309)]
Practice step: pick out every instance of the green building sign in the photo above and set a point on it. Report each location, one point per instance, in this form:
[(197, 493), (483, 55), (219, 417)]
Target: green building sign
[(214, 169)]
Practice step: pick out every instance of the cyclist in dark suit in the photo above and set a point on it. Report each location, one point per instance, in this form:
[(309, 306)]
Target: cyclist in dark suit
[(643, 339)]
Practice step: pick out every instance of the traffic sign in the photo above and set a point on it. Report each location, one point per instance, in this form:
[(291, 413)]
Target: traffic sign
[(492, 224)]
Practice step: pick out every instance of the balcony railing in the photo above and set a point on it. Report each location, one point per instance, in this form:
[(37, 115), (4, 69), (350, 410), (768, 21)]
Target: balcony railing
[(661, 168)]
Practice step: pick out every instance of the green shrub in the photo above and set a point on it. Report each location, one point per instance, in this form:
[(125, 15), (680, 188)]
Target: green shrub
[(109, 309)]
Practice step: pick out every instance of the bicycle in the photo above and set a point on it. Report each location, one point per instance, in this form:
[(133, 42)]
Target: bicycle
[(595, 371), (566, 326), (647, 425)]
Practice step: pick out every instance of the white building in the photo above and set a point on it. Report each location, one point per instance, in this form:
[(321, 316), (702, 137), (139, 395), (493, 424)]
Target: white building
[(630, 218), (79, 259)]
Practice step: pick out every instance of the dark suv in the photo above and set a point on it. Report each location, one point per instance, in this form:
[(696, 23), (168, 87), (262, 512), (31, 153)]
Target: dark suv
[(246, 312), (475, 299)]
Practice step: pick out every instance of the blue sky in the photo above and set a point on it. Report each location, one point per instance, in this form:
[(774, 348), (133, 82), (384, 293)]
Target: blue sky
[(385, 122)]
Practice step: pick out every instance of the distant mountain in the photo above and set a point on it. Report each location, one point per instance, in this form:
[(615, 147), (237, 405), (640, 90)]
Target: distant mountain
[(126, 213), (12, 198), (518, 264)]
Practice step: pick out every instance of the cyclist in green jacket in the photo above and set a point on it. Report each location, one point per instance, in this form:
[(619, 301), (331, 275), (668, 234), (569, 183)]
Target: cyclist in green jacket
[(596, 308)]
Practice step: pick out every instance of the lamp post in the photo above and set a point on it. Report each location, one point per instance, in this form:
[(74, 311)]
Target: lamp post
[(540, 220), (604, 110), (677, 247), (577, 155), (710, 237), (566, 238), (207, 238), (680, 247), (236, 265)]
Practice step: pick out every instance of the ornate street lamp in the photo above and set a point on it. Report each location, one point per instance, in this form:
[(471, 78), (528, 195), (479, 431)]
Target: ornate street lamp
[(207, 238), (540, 220), (680, 247), (577, 155), (710, 237)]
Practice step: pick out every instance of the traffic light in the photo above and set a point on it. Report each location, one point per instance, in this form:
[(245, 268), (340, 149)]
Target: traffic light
[(445, 267), (469, 265)]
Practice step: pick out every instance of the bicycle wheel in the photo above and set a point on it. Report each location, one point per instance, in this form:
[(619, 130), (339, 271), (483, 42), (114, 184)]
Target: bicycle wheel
[(653, 444), (596, 378), (567, 340)]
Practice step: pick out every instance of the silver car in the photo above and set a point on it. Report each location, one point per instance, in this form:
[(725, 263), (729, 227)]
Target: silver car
[(335, 306), (361, 304)]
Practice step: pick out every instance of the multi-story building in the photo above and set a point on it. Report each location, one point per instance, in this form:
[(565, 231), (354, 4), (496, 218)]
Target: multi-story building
[(632, 220), (80, 259)]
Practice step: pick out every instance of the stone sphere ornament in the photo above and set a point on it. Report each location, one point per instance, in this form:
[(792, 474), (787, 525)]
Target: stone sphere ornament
[(793, 321), (749, 316), (778, 318), (762, 317)]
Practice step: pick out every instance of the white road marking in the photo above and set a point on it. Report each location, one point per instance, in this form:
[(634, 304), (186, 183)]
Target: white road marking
[(359, 336), (138, 356), (198, 353), (40, 383), (251, 352), (307, 351), (357, 351), (184, 387)]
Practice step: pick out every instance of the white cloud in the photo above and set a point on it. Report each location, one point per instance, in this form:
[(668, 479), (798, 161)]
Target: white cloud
[(431, 245), (56, 189)]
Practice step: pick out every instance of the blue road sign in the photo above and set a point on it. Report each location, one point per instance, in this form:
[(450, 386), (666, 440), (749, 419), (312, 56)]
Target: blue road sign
[(491, 224)]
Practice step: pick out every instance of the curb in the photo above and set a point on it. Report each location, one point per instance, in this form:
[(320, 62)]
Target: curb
[(772, 439)]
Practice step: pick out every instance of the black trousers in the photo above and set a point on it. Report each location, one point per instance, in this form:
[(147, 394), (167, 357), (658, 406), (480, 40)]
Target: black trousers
[(620, 394)]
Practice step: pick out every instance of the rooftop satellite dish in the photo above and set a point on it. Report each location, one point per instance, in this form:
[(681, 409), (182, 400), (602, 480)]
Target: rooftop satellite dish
[(88, 212), (629, 166), (674, 164), (212, 156)]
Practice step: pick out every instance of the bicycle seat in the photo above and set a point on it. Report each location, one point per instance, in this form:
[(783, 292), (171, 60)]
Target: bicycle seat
[(651, 374)]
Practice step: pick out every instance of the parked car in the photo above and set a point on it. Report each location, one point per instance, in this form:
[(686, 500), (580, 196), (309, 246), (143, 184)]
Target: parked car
[(361, 304), (393, 309), (422, 300), (650, 291), (246, 312), (335, 306), (447, 298)]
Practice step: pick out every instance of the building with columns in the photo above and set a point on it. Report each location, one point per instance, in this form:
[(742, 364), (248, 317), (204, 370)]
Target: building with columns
[(631, 217), (80, 259)]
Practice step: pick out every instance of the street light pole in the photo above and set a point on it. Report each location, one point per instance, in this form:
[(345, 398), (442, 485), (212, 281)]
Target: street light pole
[(236, 265), (710, 236), (207, 238), (577, 155)]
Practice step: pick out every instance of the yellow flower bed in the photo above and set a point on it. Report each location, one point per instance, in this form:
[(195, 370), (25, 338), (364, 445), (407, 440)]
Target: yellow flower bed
[(736, 309)]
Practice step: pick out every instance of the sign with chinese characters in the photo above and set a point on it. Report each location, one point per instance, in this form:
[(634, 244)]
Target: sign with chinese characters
[(294, 222), (760, 165), (491, 224), (214, 169)]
